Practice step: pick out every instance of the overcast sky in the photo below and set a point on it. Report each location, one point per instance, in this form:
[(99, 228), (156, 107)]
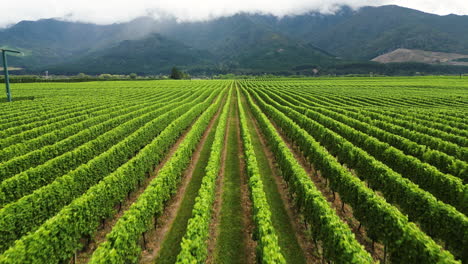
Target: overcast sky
[(110, 11)]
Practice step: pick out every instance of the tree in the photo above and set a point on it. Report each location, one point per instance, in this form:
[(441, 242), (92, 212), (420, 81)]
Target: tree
[(106, 76), (133, 76), (82, 76), (176, 74)]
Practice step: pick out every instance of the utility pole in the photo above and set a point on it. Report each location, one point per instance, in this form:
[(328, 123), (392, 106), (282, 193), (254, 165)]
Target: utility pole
[(5, 70)]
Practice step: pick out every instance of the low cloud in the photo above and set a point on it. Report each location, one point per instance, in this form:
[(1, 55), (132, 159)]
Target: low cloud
[(112, 11)]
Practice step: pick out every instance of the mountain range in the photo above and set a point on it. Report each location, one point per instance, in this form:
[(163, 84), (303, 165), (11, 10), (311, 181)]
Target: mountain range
[(242, 43)]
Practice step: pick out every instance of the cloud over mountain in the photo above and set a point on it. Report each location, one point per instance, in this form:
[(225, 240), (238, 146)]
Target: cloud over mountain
[(111, 11)]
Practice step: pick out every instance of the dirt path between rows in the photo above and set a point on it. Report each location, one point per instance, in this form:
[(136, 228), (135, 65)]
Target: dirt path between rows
[(108, 224), (156, 237), (300, 231), (232, 226), (343, 210), (214, 224), (245, 196)]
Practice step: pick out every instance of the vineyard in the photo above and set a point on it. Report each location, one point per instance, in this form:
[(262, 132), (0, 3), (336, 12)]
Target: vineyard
[(332, 170)]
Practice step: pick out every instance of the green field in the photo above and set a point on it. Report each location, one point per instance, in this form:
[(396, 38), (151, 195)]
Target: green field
[(337, 170)]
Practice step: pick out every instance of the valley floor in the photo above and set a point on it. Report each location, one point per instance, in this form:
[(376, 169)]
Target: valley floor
[(227, 171)]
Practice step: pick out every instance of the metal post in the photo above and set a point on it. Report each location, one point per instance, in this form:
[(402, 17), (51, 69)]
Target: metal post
[(5, 70), (7, 80)]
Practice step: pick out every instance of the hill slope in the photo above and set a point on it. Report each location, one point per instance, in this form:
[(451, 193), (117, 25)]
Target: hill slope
[(373, 31), (151, 55), (408, 55), (238, 43), (51, 41)]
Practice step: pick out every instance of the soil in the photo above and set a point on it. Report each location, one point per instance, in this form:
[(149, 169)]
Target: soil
[(107, 225), (214, 224), (300, 231), (165, 221), (245, 200), (346, 214), (100, 235)]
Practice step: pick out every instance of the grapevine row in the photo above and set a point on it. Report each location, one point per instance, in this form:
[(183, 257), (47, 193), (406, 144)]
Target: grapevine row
[(268, 249), (446, 187), (29, 180), (194, 246), (338, 241), (418, 204), (64, 133), (122, 243), (405, 242), (29, 212)]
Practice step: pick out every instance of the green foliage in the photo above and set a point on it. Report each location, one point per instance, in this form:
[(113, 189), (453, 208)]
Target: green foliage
[(381, 129), (394, 149), (122, 244), (242, 43), (83, 215), (31, 130), (176, 74), (194, 248), (73, 151), (409, 196), (32, 210), (268, 250), (380, 177), (105, 76), (338, 241), (445, 187), (82, 76), (231, 243)]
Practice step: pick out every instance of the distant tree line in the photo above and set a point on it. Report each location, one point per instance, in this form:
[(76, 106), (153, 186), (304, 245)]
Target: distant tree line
[(388, 69), (177, 74), (354, 69), (81, 77)]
